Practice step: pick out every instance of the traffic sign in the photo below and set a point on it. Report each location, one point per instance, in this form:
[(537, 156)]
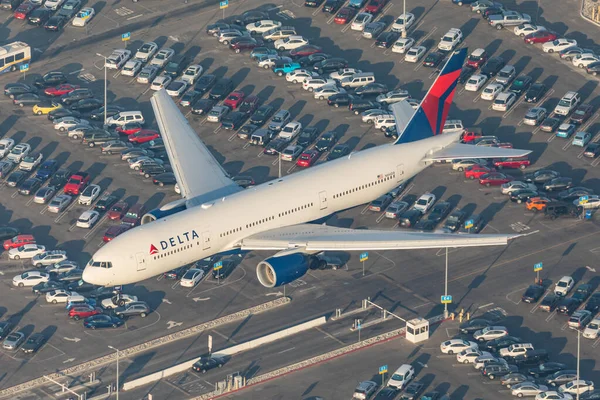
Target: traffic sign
[(469, 224), (446, 299), (383, 369), (224, 4), (24, 67), (358, 324), (364, 256), (218, 265), (126, 36), (538, 267), (584, 199)]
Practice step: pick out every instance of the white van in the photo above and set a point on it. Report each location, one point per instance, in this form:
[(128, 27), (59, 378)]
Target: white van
[(358, 80), (453, 125), (125, 117)]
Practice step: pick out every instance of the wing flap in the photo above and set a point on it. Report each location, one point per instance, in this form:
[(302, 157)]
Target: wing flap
[(461, 150)]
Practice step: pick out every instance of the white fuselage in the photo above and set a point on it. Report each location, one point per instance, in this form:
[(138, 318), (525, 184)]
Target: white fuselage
[(220, 225)]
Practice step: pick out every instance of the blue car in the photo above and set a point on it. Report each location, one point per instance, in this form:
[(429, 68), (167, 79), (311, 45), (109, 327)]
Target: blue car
[(102, 321), (581, 139), (565, 130), (47, 169), (283, 68)]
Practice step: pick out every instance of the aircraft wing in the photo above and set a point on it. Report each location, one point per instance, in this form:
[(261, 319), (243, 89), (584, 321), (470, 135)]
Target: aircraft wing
[(461, 150), (314, 238), (199, 175)]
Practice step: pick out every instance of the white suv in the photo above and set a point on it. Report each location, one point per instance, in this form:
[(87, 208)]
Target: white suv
[(118, 58), (450, 40), (564, 286), (567, 103)]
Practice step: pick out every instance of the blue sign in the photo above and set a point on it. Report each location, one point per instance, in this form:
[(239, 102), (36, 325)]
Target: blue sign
[(364, 256), (24, 67), (469, 224), (126, 36), (224, 4), (383, 369), (538, 267), (218, 265), (358, 325), (446, 299)]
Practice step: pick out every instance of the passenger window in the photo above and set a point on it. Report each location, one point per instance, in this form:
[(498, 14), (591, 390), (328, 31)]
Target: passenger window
[(10, 59), (19, 56)]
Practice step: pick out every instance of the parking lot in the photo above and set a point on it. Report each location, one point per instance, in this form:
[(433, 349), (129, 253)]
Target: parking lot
[(477, 276)]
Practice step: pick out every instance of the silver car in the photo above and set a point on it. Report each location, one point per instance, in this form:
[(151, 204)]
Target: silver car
[(217, 113), (528, 389), (43, 195), (162, 57), (147, 74), (535, 116), (115, 146), (5, 168), (62, 267), (13, 341), (395, 209), (373, 29), (59, 203)]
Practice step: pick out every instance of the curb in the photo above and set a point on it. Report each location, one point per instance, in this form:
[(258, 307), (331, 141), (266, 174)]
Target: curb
[(588, 19)]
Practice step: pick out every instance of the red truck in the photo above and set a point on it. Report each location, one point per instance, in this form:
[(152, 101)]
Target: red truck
[(76, 183)]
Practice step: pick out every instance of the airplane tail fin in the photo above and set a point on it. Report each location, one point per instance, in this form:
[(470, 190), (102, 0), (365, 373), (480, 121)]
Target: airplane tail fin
[(431, 115)]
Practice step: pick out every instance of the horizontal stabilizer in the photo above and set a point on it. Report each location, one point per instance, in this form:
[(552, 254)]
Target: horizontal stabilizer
[(461, 151)]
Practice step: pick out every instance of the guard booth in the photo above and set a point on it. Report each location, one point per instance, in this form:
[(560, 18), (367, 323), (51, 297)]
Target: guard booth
[(417, 330)]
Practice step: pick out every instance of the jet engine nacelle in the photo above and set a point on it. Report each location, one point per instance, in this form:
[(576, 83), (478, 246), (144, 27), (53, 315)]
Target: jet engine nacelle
[(164, 211), (280, 270)]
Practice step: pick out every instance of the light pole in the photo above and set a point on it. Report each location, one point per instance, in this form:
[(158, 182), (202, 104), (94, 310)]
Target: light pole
[(279, 161), (117, 388), (446, 287), (105, 87), (578, 346), (404, 21)]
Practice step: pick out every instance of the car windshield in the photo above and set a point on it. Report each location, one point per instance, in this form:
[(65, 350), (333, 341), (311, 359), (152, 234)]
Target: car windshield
[(397, 377), (447, 39), (131, 215), (594, 325), (452, 219), (564, 103), (562, 284)]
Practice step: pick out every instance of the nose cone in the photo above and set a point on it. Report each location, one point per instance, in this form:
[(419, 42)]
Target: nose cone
[(96, 276)]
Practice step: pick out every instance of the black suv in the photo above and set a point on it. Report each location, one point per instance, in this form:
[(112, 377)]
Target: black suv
[(76, 95), (262, 114), (221, 90), (176, 66), (205, 83), (559, 209), (371, 89), (358, 105), (14, 89), (327, 141), (493, 66), (51, 78), (234, 120)]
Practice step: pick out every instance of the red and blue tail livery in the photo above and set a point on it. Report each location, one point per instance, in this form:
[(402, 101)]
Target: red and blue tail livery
[(431, 115)]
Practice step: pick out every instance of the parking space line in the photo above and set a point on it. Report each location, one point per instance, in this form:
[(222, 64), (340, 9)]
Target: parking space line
[(567, 145), (549, 317), (507, 113), (551, 138)]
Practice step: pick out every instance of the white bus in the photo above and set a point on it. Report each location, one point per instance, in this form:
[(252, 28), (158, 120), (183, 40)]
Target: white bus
[(13, 55)]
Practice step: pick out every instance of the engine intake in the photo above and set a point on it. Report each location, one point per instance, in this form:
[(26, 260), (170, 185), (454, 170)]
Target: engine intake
[(168, 209), (276, 271)]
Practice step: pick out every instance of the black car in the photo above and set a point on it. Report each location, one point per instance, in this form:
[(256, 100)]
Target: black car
[(439, 211), (76, 95), (331, 6), (62, 112), (276, 146), (582, 292), (593, 304), (542, 176), (593, 68), (81, 286), (371, 89), (30, 186), (39, 16), (385, 40), (501, 343), (102, 321), (14, 89), (207, 363), (226, 269), (561, 377), (311, 60), (535, 93), (154, 145), (105, 203), (409, 218), (590, 395), (69, 9), (10, 4), (495, 10), (252, 16), (152, 170), (493, 66), (391, 132), (546, 369), (87, 105), (55, 23), (48, 286), (340, 99), (98, 115), (313, 3), (168, 178), (60, 178), (567, 305), (205, 83), (52, 78), (359, 104), (478, 224), (434, 59), (176, 65), (560, 183), (246, 131), (387, 393), (533, 293), (262, 115), (73, 275), (203, 106), (465, 74), (521, 84), (412, 391), (338, 151), (234, 120), (26, 99), (5, 328), (592, 150), (550, 124), (562, 209), (33, 343), (327, 141), (531, 357), (474, 325), (175, 274), (574, 193), (8, 232), (307, 136), (15, 179), (522, 195), (549, 302), (425, 225), (221, 89), (455, 220), (330, 65)]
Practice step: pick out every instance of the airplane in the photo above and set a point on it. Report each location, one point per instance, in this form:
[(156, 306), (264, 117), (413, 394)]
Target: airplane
[(216, 216)]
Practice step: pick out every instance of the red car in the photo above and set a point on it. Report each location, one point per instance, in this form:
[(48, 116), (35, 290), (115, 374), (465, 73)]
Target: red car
[(308, 158), (115, 231), (83, 311), (345, 15), (61, 89), (24, 10), (471, 135), (476, 171), (118, 210), (143, 136), (234, 99), (514, 162), (540, 37), (18, 241), (477, 58), (375, 6), (306, 50), (129, 128), (77, 182), (494, 179)]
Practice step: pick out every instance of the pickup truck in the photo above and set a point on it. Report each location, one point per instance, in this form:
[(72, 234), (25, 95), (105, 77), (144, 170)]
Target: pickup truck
[(509, 18)]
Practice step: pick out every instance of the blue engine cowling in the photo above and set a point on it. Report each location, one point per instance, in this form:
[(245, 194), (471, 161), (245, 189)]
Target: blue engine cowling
[(276, 271), (164, 211)]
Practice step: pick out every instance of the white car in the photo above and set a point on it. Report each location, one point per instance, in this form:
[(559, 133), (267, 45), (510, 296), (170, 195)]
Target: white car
[(577, 386), (450, 40), (491, 91), (290, 131), (404, 22), (26, 251), (315, 83), (324, 92), (402, 45), (526, 29), (591, 331), (53, 4), (89, 194), (58, 296), (468, 356), (370, 116), (88, 219), (160, 82), (290, 43), (564, 286), (176, 88), (30, 161), (490, 333), (6, 145), (393, 96), (131, 68), (503, 101), (146, 52), (162, 57), (19, 152), (414, 54), (262, 26), (119, 301), (191, 74), (192, 277), (216, 113), (462, 164), (63, 124), (225, 35), (553, 395), (593, 202), (360, 21), (300, 75), (30, 278), (475, 82), (558, 45), (59, 203), (454, 346), (583, 60), (509, 187), (147, 74), (343, 73), (384, 122), (84, 16), (424, 202), (527, 389)]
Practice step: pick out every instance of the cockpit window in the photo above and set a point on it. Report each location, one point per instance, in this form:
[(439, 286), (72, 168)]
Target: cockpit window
[(101, 264)]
